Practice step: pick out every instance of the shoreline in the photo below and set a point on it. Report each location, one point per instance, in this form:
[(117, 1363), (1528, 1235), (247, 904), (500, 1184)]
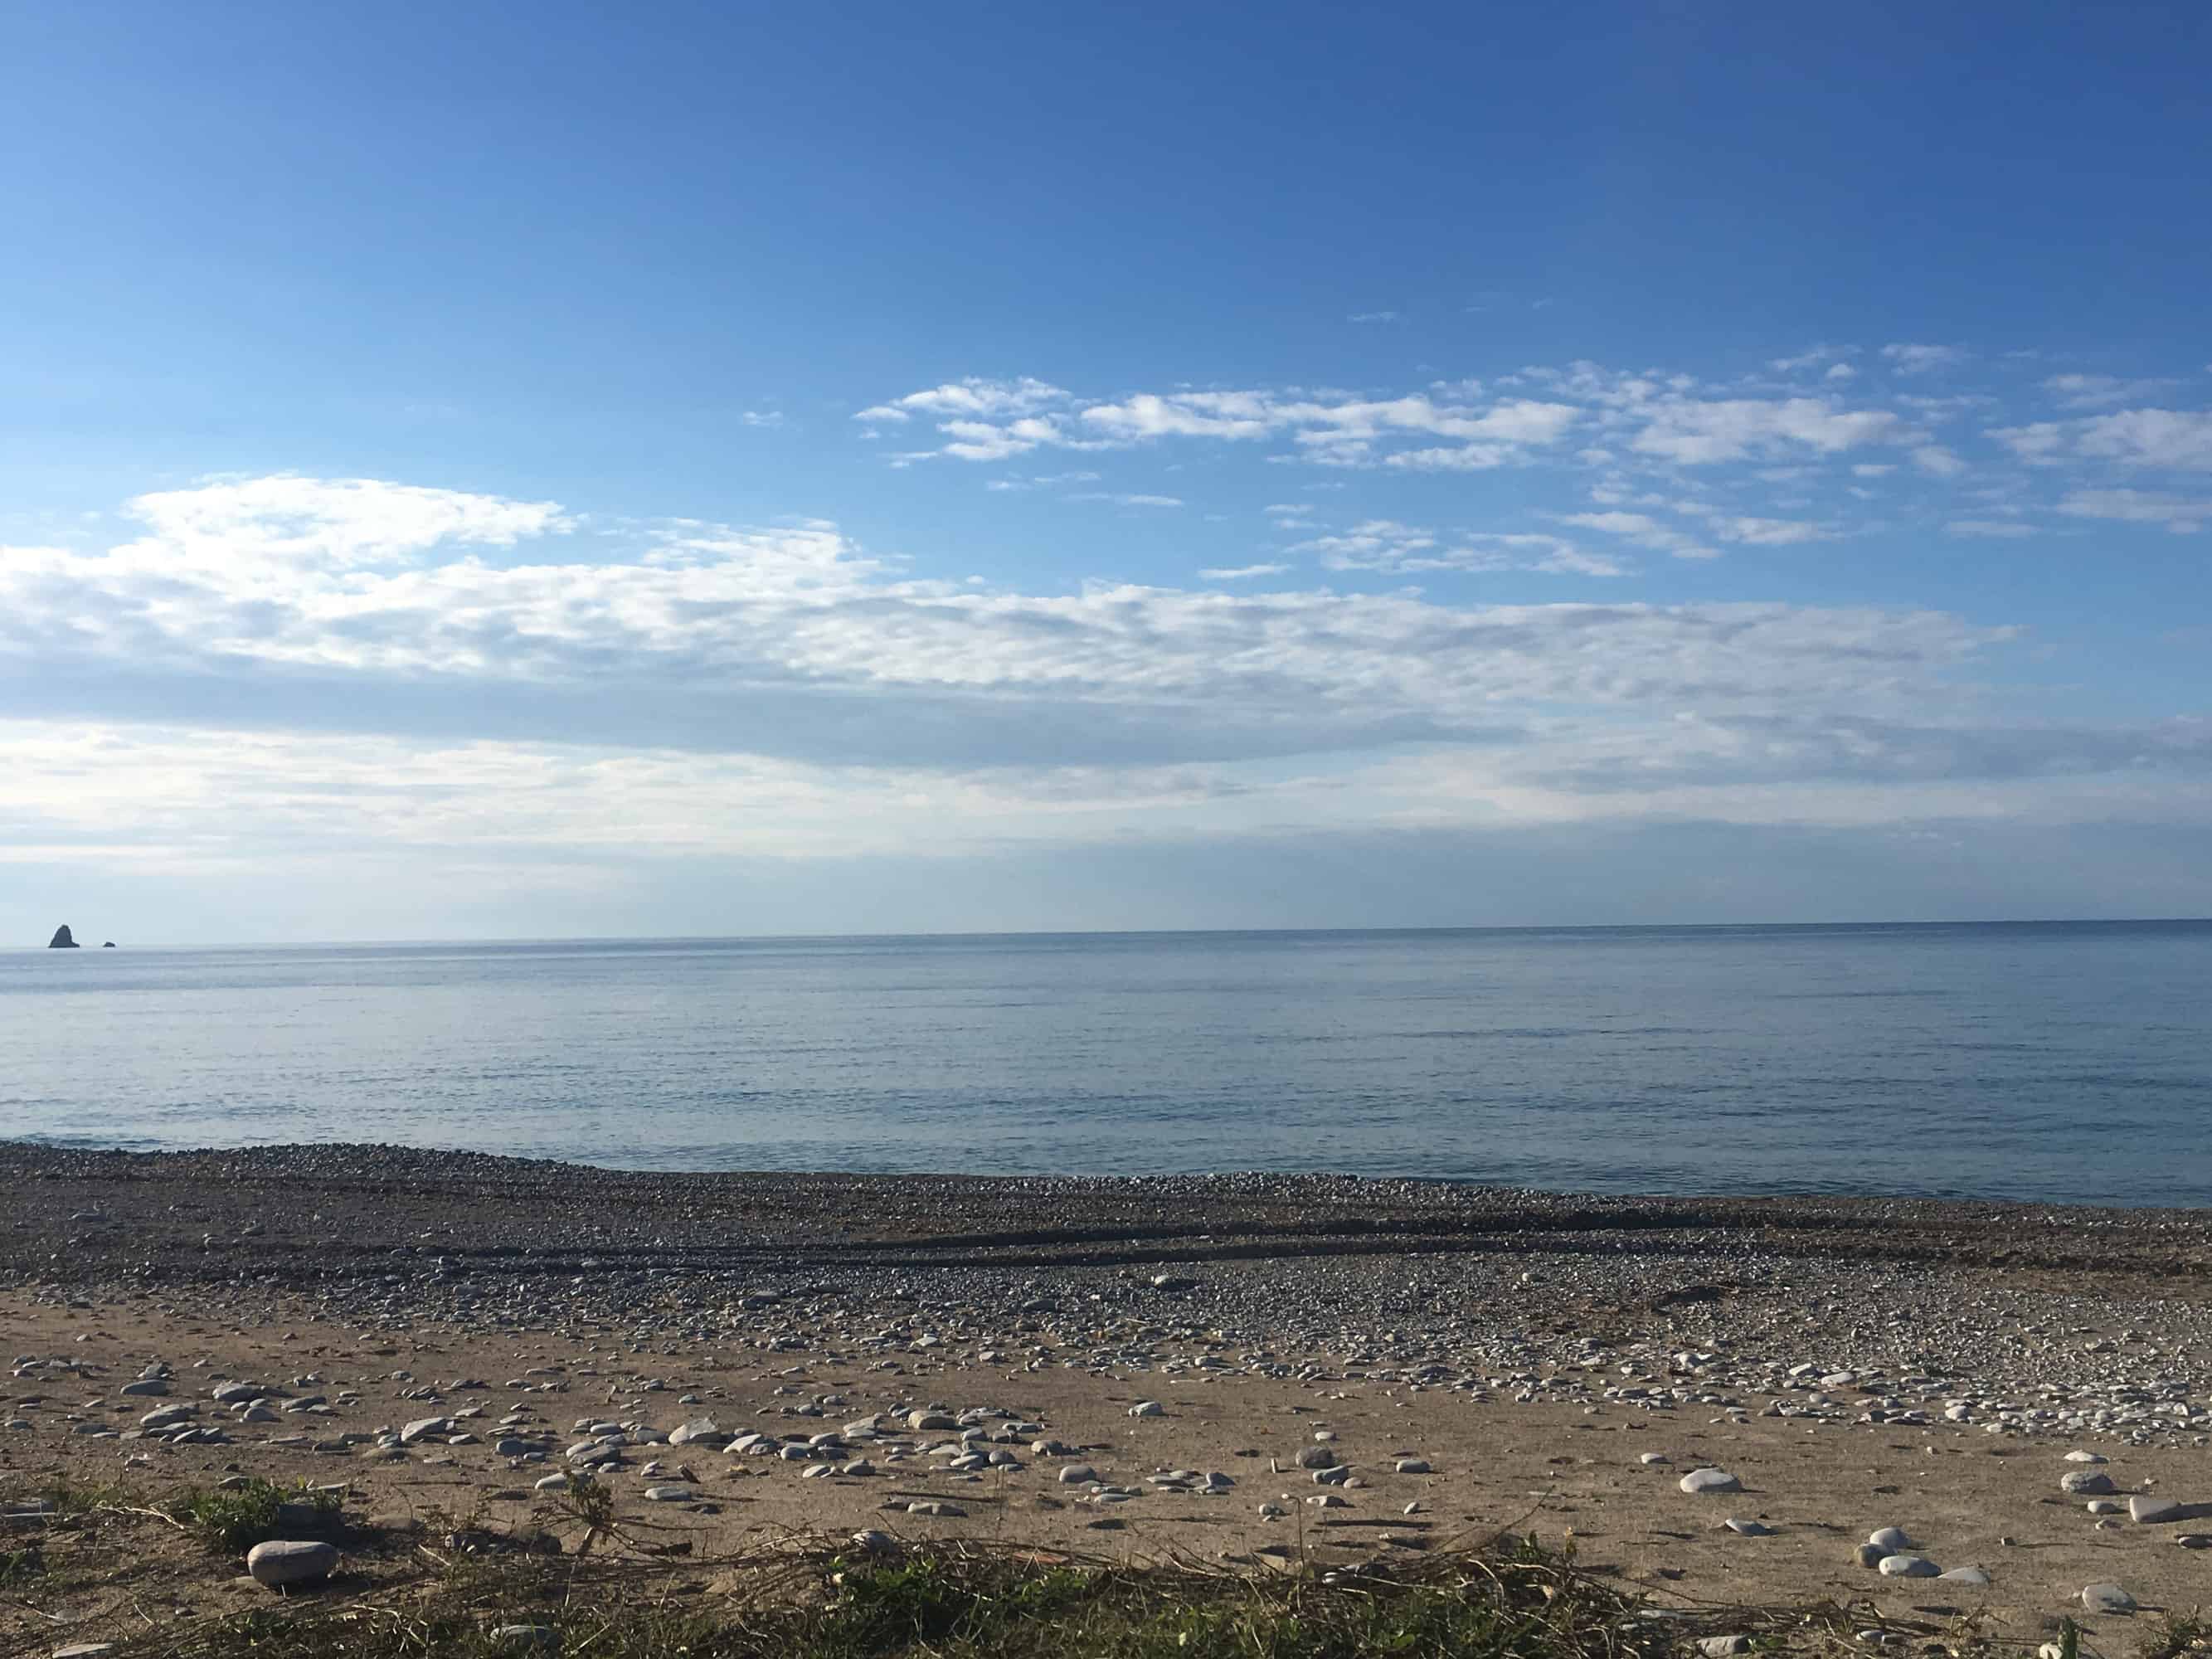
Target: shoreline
[(827, 1217), (267, 1160)]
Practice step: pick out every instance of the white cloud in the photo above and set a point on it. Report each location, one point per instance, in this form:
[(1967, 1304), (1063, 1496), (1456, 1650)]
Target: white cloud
[(1730, 526), (1768, 533), (975, 396), (1951, 407), (327, 522), (2182, 516), (991, 421), (1126, 500), (1812, 358), (1385, 545), (1644, 531), (1840, 372), (2151, 437), (1373, 316), (1999, 528), (763, 417), (2097, 390), (1343, 430), (980, 440), (299, 811), (2180, 439), (1700, 433), (318, 667), (1937, 462), (2039, 444), (354, 603), (1551, 556), (1187, 414), (1922, 359)]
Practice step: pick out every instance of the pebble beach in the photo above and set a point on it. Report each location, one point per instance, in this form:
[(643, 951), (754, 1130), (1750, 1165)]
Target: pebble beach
[(1922, 1410)]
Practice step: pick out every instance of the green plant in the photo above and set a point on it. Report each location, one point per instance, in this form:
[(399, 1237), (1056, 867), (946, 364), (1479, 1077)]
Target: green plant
[(21, 1566), (236, 1518)]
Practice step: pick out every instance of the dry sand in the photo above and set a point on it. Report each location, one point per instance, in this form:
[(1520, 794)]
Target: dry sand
[(1530, 1348)]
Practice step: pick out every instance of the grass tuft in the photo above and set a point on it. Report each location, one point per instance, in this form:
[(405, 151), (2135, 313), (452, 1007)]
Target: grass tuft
[(440, 1587), (20, 1567), (237, 1519), (2183, 1635), (958, 1601)]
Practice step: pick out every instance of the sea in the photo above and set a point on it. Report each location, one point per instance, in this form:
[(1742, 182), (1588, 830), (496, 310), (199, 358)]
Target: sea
[(2059, 1062)]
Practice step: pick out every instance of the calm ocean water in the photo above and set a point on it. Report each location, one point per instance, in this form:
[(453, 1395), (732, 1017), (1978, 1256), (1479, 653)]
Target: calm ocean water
[(2041, 1060)]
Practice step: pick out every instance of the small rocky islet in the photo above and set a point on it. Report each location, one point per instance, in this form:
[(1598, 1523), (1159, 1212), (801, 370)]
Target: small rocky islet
[(63, 939)]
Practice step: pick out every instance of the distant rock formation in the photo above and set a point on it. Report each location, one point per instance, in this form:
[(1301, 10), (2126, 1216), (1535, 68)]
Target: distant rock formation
[(110, 946), (61, 940)]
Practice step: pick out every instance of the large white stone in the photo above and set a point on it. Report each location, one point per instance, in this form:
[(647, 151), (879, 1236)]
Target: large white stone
[(282, 1562), (1710, 1481)]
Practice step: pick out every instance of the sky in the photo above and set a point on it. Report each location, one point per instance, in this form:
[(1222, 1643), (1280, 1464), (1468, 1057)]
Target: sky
[(488, 470)]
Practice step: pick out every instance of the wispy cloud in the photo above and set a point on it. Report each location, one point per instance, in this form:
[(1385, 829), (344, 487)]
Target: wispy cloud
[(1699, 432), (1818, 356), (1644, 531), (1811, 459), (1384, 544), (1753, 530), (354, 604), (975, 397), (1372, 316), (267, 663), (2180, 515), (1922, 359), (2099, 390), (2180, 440), (1936, 461), (762, 417)]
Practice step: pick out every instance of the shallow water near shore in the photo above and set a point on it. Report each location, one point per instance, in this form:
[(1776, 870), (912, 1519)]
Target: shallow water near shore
[(2052, 1062)]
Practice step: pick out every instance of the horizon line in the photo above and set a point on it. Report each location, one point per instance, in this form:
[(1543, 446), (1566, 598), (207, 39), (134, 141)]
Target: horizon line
[(1142, 932)]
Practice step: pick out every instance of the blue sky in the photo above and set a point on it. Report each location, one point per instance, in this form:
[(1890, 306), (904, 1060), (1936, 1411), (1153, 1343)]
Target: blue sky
[(531, 470)]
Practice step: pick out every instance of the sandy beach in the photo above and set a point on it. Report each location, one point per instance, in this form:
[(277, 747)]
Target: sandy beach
[(1251, 1370)]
